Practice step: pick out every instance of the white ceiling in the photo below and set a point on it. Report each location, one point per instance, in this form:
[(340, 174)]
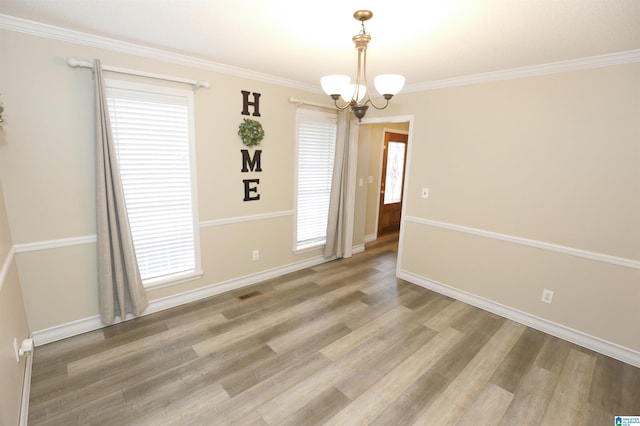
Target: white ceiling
[(301, 40)]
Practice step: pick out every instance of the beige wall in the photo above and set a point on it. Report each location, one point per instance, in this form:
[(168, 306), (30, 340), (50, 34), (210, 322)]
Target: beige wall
[(13, 325), (551, 159), (362, 192), (47, 167)]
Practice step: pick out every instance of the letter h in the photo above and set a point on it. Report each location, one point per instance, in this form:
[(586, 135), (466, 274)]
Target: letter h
[(255, 104)]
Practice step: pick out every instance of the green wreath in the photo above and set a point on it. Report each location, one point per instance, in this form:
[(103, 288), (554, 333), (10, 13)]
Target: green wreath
[(251, 132), (1, 119)]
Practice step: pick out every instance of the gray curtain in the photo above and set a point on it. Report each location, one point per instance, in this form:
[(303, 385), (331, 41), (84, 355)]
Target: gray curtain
[(120, 289), (336, 222)]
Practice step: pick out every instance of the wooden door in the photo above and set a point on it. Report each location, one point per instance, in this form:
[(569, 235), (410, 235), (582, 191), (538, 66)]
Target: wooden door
[(394, 159)]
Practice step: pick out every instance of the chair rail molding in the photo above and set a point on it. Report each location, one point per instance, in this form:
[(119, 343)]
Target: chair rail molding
[(600, 257)]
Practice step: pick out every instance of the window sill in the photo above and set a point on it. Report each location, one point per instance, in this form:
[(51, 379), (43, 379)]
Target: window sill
[(172, 280), (308, 247)]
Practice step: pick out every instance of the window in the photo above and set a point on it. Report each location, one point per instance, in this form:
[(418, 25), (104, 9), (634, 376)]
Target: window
[(395, 172), (153, 132), (316, 136)]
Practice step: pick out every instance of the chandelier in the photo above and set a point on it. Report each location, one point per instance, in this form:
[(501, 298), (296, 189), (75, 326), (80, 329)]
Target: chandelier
[(357, 95)]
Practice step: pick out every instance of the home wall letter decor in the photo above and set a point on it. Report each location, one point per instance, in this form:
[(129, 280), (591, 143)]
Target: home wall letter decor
[(255, 104), (251, 189), (249, 163), (251, 133)]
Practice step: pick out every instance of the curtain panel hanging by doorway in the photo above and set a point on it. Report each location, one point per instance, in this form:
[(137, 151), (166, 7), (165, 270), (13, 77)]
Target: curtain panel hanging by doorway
[(336, 222)]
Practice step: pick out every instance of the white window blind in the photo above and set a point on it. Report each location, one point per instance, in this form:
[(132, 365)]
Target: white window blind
[(316, 138), (152, 131)]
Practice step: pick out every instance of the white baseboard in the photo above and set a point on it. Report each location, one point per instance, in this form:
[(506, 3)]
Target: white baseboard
[(234, 284), (613, 350), (62, 331), (370, 237), (357, 249), (84, 325), (596, 344)]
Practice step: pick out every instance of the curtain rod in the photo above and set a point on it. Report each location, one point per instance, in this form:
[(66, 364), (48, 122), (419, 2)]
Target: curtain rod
[(302, 102), (77, 63)]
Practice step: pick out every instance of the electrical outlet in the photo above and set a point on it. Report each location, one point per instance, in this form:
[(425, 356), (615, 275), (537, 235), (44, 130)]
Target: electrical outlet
[(255, 255), (547, 296)]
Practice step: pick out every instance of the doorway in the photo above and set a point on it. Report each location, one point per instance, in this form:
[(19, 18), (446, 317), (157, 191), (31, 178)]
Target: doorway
[(394, 161)]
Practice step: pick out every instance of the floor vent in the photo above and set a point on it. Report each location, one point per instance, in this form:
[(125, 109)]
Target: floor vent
[(249, 295)]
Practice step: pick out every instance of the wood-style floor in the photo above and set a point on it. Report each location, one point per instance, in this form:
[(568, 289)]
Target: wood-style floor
[(343, 343)]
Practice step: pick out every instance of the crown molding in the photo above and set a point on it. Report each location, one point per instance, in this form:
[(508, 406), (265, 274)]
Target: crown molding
[(25, 26), (578, 64), (39, 29)]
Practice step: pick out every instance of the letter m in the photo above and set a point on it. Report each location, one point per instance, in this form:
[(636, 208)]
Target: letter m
[(249, 163)]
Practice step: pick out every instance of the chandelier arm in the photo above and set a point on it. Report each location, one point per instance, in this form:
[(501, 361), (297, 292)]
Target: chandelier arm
[(366, 82), (340, 108), (378, 106), (356, 88), (369, 98)]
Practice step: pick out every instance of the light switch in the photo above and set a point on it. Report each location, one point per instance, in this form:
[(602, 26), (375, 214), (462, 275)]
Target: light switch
[(361, 182), (425, 193), (370, 179)]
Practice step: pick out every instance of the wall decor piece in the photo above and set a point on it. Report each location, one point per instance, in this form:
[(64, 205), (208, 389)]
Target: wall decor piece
[(251, 189), (251, 132), (246, 104), (251, 164)]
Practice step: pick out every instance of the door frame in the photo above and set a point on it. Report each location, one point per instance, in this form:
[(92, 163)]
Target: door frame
[(353, 168)]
